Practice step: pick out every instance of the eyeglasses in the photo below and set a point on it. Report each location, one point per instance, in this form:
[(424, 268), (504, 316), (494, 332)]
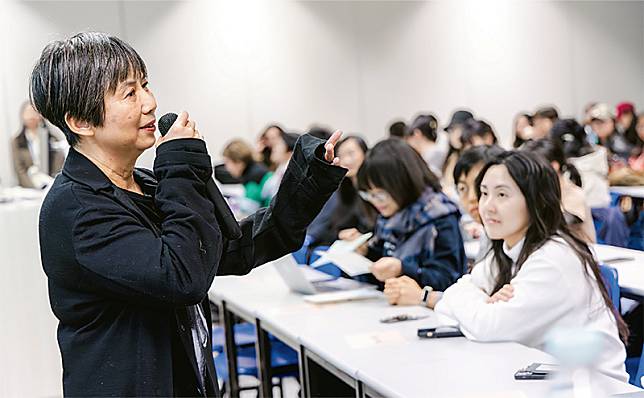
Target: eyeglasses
[(380, 196)]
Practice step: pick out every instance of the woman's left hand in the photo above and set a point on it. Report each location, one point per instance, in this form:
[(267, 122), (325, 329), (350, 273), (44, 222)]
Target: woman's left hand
[(329, 147), (503, 294), (386, 268), (403, 291)]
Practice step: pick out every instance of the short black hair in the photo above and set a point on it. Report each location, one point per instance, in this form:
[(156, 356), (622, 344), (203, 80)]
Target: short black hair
[(571, 136), (72, 77), (473, 156), (476, 128), (552, 151), (397, 168), (426, 124), (548, 112), (397, 129)]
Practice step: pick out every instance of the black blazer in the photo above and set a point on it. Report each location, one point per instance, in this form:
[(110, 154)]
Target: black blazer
[(120, 286)]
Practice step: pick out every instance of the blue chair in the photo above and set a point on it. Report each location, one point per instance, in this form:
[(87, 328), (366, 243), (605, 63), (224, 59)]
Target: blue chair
[(284, 360), (611, 280)]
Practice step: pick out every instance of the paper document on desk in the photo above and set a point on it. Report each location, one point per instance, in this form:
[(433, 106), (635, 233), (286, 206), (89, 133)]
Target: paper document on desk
[(342, 253)]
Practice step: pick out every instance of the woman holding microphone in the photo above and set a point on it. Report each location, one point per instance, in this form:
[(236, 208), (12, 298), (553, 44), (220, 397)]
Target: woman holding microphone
[(130, 254)]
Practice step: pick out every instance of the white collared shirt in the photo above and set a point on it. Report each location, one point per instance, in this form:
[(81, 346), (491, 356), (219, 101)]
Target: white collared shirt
[(551, 290)]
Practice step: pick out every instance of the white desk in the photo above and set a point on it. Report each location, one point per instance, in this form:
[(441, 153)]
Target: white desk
[(30, 364), (630, 272), (382, 359), (634, 192)]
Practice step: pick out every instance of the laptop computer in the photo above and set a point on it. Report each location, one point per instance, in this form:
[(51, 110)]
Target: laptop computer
[(305, 280)]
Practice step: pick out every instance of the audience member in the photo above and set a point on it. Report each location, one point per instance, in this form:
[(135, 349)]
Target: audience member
[(422, 135), (37, 153), (542, 121), (417, 232), (538, 276), (397, 129), (345, 215), (573, 202), (477, 132), (522, 129), (240, 162), (591, 161)]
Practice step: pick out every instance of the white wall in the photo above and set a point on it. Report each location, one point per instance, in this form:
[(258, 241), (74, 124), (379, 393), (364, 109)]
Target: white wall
[(239, 65)]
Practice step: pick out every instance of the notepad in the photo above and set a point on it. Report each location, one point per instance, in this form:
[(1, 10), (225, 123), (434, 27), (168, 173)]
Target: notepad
[(342, 253)]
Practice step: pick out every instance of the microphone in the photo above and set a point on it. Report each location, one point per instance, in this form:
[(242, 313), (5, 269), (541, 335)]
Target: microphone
[(227, 222)]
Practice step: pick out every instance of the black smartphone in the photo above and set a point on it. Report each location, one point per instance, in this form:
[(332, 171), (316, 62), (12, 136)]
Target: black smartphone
[(439, 332), (536, 371)]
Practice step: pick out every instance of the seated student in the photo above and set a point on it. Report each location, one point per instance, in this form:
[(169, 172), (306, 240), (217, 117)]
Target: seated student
[(573, 202), (603, 124), (454, 130), (345, 215), (239, 161), (267, 139), (406, 291), (542, 121), (538, 276), (417, 232), (281, 151), (522, 129), (36, 151), (477, 132), (591, 161), (423, 136)]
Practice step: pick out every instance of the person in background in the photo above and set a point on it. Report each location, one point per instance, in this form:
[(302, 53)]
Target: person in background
[(454, 130), (603, 124), (626, 122), (267, 139), (522, 129), (636, 162), (477, 132), (320, 132), (240, 162), (37, 153), (538, 275), (542, 121), (573, 202), (405, 290), (345, 215), (397, 129), (591, 161), (422, 136), (417, 231), (281, 151)]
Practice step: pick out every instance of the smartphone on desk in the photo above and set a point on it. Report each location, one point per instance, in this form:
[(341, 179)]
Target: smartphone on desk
[(536, 371), (439, 332)]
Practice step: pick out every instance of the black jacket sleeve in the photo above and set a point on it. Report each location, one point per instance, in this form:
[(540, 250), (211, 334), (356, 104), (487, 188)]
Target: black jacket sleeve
[(280, 229), (124, 258)]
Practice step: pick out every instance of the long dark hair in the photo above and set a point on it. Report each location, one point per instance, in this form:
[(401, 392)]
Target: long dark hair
[(572, 138), (539, 185), (397, 168)]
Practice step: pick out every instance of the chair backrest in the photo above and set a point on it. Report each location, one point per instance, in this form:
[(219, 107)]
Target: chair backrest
[(611, 280), (640, 371)]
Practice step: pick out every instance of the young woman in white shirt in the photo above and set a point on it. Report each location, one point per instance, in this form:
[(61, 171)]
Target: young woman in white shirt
[(538, 276)]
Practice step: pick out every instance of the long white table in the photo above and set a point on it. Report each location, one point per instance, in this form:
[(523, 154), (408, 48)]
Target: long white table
[(634, 192), (348, 341), (30, 364), (630, 268)]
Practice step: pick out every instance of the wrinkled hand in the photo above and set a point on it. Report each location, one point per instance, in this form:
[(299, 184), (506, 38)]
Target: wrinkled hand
[(181, 128), (503, 294), (403, 291), (386, 268), (329, 148)]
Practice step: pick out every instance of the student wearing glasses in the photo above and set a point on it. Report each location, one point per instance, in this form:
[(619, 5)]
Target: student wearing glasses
[(417, 231)]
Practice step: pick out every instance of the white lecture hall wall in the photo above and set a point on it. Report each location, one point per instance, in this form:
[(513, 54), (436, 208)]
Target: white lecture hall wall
[(239, 65)]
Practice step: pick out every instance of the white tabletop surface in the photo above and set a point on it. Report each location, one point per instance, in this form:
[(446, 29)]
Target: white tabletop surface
[(30, 364), (630, 272), (388, 357), (636, 192)]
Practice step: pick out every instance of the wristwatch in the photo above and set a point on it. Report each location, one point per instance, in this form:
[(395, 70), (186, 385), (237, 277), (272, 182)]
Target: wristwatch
[(425, 297)]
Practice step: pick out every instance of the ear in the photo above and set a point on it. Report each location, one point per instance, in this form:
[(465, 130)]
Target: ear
[(79, 127)]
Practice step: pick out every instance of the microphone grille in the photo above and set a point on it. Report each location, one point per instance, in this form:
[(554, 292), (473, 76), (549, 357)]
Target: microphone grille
[(166, 122)]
